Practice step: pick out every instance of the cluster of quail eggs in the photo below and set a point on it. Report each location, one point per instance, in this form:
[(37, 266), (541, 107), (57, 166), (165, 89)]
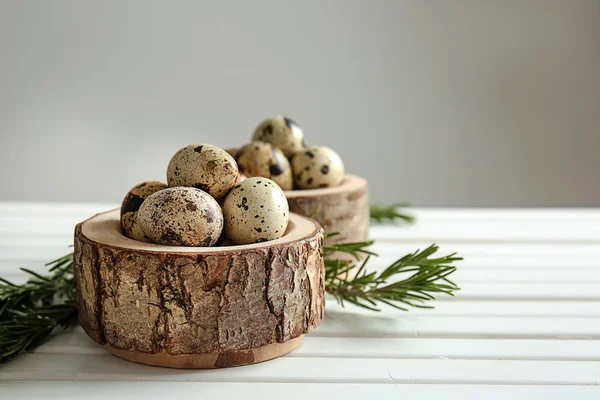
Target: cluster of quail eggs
[(206, 201), (278, 152), (219, 197)]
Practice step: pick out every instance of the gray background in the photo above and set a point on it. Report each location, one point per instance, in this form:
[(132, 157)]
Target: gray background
[(442, 103)]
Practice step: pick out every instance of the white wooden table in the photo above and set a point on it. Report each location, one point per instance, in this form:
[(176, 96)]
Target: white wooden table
[(525, 326)]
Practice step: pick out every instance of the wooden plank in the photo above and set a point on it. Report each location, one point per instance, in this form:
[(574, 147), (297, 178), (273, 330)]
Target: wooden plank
[(77, 342), (465, 349), (23, 225), (498, 232), (41, 254), (52, 208), (509, 251), (359, 323), (69, 367), (293, 391), (540, 276), (45, 242), (523, 309), (526, 291), (507, 215), (471, 271)]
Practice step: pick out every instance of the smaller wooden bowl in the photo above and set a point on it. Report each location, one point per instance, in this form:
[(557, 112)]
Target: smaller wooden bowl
[(198, 307), (343, 209)]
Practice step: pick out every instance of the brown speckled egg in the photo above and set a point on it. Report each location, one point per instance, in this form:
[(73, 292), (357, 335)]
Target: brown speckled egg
[(181, 216), (204, 167), (317, 167), (282, 133), (131, 204), (255, 211), (263, 159)]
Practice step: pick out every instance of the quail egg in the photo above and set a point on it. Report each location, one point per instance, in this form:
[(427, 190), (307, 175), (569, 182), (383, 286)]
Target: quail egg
[(181, 216), (204, 167), (263, 159), (255, 211), (317, 167), (282, 133), (131, 204)]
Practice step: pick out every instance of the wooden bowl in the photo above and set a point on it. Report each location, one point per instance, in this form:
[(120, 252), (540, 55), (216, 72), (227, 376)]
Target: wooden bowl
[(343, 209), (198, 307)]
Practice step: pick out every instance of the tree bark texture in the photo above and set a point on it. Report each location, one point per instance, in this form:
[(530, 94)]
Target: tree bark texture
[(343, 209), (223, 301)]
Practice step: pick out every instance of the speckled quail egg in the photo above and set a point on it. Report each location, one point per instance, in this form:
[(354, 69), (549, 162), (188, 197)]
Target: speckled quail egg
[(131, 204), (317, 167), (282, 133), (255, 211), (204, 167), (263, 159), (181, 216)]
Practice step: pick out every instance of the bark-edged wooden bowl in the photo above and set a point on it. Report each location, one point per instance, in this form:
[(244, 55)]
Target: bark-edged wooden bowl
[(343, 209), (198, 307)]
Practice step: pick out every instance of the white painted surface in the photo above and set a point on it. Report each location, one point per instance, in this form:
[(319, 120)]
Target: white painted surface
[(525, 326)]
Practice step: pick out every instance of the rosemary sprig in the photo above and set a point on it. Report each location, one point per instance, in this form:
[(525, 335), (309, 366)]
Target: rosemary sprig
[(390, 213), (355, 249), (31, 311), (423, 276)]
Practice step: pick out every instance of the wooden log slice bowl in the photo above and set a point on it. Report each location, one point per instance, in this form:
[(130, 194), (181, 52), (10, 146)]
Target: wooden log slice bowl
[(343, 209), (195, 307)]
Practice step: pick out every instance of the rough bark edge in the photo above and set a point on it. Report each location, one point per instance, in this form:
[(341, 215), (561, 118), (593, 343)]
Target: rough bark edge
[(344, 209), (91, 260)]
